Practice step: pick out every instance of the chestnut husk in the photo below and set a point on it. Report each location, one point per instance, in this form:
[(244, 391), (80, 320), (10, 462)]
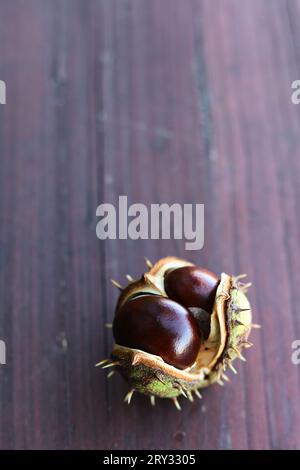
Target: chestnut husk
[(230, 326)]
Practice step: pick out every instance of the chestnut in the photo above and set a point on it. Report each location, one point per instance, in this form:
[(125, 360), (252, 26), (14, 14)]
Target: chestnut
[(192, 286), (178, 329), (159, 326)]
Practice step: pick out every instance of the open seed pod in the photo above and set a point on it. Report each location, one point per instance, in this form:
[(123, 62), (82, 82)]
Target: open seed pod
[(178, 329)]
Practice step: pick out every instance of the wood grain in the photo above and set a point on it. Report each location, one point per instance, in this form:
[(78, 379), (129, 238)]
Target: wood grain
[(162, 101)]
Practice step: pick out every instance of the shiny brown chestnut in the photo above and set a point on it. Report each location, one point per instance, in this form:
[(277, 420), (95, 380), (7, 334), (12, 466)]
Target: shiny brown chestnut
[(192, 286), (159, 326)]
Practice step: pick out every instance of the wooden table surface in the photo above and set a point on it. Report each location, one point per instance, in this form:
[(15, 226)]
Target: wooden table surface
[(162, 101)]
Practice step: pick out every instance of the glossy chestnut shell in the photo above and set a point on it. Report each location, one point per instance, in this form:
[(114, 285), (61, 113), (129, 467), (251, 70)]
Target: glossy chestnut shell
[(159, 326), (192, 286)]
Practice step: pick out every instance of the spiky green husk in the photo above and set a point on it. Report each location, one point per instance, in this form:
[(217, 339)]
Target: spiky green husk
[(230, 325), (238, 322), (154, 378)]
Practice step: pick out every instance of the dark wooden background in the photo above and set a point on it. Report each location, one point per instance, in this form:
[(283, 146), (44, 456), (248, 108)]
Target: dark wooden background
[(163, 101)]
